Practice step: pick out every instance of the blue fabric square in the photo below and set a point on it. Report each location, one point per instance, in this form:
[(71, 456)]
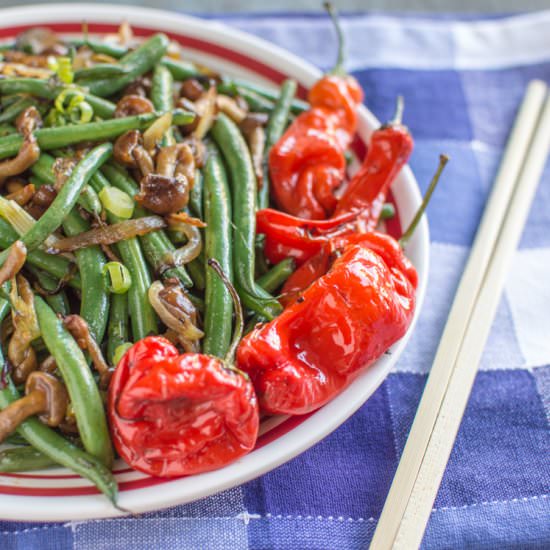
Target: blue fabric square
[(435, 106), (458, 201), (494, 96), (344, 475), (45, 537)]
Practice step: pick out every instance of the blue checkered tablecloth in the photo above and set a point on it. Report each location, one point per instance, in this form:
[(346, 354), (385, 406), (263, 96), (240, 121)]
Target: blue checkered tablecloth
[(462, 81)]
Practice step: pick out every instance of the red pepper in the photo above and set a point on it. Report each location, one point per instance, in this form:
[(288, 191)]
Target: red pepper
[(389, 150), (174, 415), (307, 164), (318, 265), (335, 329), (289, 236), (359, 208)]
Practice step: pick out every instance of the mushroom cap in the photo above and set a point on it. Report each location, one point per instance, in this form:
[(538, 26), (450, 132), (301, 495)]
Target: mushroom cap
[(163, 194), (55, 393), (124, 147)]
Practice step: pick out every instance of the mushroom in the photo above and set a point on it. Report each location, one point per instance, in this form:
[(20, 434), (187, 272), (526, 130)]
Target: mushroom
[(252, 127), (40, 40), (20, 351), (80, 331), (29, 152), (191, 89), (28, 121), (45, 395), (23, 195), (230, 107), (14, 262), (177, 312), (131, 105), (129, 151), (41, 200), (164, 189), (27, 156)]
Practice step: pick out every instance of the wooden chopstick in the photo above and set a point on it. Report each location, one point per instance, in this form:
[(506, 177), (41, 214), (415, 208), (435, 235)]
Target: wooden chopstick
[(463, 305), (420, 504)]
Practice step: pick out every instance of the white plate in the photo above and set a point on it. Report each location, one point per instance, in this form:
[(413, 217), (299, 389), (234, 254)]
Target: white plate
[(56, 495)]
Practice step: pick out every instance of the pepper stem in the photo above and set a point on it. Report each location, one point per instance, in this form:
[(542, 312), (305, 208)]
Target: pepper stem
[(339, 68), (239, 316), (398, 114), (443, 159)]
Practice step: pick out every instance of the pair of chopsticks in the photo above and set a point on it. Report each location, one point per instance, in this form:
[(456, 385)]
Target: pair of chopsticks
[(431, 439)]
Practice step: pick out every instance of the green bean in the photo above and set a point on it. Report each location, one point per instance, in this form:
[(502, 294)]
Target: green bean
[(4, 46), (217, 244), (277, 275), (275, 127), (136, 63), (7, 129), (101, 70), (181, 70), (47, 90), (196, 196), (62, 136), (243, 187), (24, 459), (15, 109), (156, 245), (297, 106), (142, 314), (101, 46), (57, 266), (43, 170), (196, 271), (94, 303), (65, 199), (117, 332), (80, 383), (162, 95), (58, 301), (61, 451), (256, 102)]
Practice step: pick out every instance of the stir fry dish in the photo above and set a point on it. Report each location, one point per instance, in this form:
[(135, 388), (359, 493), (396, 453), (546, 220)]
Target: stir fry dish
[(182, 253)]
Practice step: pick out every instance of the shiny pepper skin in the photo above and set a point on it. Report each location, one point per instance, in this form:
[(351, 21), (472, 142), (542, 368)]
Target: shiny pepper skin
[(174, 415), (334, 329), (307, 164), (389, 150), (319, 264)]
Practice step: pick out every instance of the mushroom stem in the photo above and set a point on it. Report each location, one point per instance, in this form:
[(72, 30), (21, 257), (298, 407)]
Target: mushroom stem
[(18, 411)]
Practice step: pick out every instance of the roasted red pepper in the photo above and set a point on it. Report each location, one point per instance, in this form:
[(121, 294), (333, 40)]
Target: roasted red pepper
[(307, 164), (358, 209), (174, 415), (318, 265), (336, 328), (289, 236), (389, 150)]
